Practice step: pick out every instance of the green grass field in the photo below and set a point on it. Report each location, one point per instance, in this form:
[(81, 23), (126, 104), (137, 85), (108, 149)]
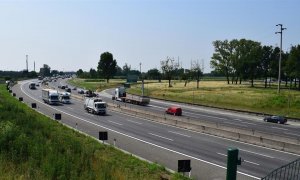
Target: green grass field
[(220, 94), (33, 146)]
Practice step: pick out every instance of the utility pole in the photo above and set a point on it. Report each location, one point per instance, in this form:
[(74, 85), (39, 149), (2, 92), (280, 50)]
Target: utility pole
[(279, 73), (27, 63), (142, 79)]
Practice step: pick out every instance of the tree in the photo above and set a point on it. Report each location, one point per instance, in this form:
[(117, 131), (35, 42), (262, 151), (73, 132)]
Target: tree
[(79, 73), (154, 74), (186, 76), (168, 67), (293, 64), (196, 72), (221, 58), (93, 73), (126, 69), (265, 63), (107, 66), (250, 56)]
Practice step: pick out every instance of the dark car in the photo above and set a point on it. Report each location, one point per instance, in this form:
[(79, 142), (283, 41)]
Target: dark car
[(68, 90), (177, 111), (80, 91), (276, 119)]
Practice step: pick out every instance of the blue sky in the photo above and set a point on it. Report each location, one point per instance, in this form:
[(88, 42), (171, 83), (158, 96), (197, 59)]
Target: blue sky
[(71, 34)]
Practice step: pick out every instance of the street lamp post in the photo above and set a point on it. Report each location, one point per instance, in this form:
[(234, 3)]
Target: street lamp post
[(279, 73)]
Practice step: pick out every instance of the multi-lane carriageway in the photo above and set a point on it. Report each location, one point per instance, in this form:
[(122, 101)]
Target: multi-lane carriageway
[(166, 144)]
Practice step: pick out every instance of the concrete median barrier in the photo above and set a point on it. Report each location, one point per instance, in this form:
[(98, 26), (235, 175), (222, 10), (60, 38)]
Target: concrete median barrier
[(245, 135)]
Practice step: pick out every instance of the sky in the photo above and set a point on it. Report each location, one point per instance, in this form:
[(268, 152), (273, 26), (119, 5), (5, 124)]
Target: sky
[(69, 35)]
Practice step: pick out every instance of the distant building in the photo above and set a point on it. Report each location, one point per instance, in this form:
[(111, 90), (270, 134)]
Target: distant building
[(45, 70)]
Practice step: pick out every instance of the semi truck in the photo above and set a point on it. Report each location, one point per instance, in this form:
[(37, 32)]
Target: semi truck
[(121, 95), (50, 96), (95, 105), (64, 97)]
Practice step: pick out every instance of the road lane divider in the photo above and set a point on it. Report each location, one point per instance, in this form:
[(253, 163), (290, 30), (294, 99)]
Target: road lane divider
[(161, 136), (179, 134), (115, 122)]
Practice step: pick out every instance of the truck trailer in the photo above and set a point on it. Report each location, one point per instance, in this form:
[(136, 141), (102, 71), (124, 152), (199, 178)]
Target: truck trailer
[(95, 106), (121, 95), (50, 96)]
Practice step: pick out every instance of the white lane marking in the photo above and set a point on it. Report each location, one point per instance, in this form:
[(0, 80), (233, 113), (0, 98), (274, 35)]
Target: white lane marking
[(179, 133), (242, 159), (257, 153), (152, 144), (222, 154), (89, 114), (156, 106), (279, 128), (161, 136), (251, 162), (115, 122), (205, 115), (291, 134), (133, 121), (248, 123), (70, 108), (235, 124)]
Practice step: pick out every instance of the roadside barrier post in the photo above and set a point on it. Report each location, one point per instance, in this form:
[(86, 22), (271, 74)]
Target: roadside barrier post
[(184, 166), (57, 116), (232, 162), (33, 105), (103, 136)]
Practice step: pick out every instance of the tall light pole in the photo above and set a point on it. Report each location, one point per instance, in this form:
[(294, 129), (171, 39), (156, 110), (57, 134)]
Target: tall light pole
[(279, 78)]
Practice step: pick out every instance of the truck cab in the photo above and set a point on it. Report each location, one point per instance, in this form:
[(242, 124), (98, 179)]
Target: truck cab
[(64, 97), (95, 106), (120, 92)]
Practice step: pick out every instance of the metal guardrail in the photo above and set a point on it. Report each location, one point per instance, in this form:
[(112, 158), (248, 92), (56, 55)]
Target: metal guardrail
[(289, 171)]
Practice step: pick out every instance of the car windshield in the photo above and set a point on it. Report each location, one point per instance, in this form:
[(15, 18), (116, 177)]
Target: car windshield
[(54, 97), (65, 97), (100, 105)]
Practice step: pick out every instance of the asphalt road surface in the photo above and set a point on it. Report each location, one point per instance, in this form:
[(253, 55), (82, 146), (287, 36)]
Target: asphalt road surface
[(166, 144)]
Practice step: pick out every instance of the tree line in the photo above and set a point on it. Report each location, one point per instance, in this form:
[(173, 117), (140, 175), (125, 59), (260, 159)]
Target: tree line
[(237, 60), (107, 68), (240, 60)]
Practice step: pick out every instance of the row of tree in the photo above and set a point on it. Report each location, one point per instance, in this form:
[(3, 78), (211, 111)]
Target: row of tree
[(243, 59), (170, 69), (237, 60)]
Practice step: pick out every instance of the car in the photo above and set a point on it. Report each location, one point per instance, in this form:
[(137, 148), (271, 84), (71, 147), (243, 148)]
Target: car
[(80, 91), (74, 88), (177, 111), (275, 119), (68, 90), (63, 87)]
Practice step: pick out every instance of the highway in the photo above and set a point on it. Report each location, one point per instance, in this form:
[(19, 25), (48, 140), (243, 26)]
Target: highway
[(166, 144)]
